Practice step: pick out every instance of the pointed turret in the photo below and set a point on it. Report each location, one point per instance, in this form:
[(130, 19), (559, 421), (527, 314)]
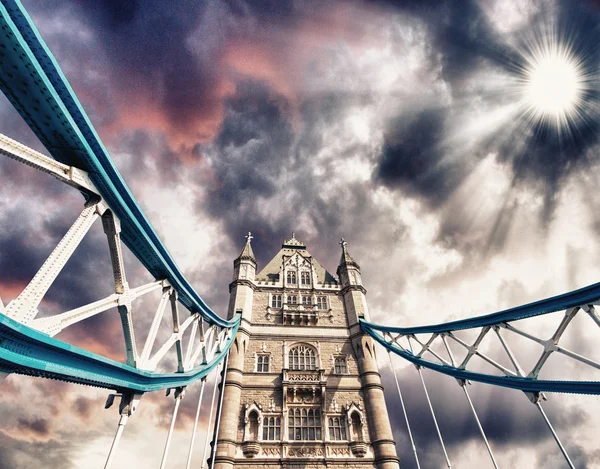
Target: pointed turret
[(247, 252), (244, 267), (244, 274), (348, 271)]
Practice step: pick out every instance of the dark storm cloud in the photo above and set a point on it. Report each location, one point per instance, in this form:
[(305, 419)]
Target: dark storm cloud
[(461, 34), (413, 157), (252, 149), (539, 157), (38, 426)]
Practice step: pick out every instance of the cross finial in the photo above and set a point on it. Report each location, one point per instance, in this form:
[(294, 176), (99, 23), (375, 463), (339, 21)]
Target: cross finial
[(249, 236), (343, 243), (293, 235)]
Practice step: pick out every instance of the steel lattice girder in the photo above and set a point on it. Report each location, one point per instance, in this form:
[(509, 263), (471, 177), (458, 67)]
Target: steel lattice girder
[(34, 84), (583, 298), (24, 350)]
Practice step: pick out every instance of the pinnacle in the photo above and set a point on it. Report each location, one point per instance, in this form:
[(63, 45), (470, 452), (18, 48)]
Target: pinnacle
[(247, 252)]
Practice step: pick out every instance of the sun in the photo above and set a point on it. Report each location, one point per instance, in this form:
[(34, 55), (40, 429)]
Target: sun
[(554, 86), (553, 83)]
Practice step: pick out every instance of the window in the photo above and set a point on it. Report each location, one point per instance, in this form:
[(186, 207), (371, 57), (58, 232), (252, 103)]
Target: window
[(272, 428), (340, 367), (321, 302), (337, 428), (276, 301), (302, 358), (304, 424), (262, 363), (291, 278), (305, 278), (306, 300), (292, 299)]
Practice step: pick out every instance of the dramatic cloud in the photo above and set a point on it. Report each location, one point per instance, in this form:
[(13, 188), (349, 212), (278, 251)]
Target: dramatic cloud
[(400, 125)]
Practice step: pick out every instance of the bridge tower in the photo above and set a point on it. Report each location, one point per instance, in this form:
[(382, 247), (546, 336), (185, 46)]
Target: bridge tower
[(302, 386)]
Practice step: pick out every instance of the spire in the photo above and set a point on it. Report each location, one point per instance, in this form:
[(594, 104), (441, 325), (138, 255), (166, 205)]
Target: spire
[(247, 252), (346, 259)]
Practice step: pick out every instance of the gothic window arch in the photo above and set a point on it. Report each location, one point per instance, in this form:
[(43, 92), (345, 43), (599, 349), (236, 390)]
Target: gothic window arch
[(304, 278), (340, 365), (252, 420), (302, 357), (291, 277)]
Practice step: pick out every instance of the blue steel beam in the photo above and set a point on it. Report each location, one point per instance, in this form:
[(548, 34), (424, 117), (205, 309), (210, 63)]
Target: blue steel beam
[(513, 382), (584, 296), (34, 84), (24, 350)]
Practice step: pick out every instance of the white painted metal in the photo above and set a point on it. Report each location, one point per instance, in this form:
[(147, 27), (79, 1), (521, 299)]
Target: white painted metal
[(592, 312), (509, 352), (74, 177), (219, 410), (189, 459), (410, 436), (154, 327), (111, 454), (175, 337), (437, 428), (210, 415), (176, 325), (535, 398), (52, 325), (463, 385), (24, 307), (127, 406), (190, 347), (178, 396)]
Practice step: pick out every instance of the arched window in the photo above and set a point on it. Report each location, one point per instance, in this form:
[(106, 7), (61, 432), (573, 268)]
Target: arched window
[(340, 366), (304, 278), (337, 428), (272, 428), (302, 357), (291, 277), (304, 424), (253, 426)]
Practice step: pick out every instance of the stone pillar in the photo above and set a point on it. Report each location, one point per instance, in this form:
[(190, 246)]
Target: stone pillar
[(231, 408), (355, 302), (378, 419)]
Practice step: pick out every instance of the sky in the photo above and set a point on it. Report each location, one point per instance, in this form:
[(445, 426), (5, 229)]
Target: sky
[(414, 129)]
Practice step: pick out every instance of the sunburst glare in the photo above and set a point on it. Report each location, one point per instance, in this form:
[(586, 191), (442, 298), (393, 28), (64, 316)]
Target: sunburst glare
[(554, 85), (554, 82)]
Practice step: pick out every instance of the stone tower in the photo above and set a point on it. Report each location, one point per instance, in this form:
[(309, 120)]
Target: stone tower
[(302, 386)]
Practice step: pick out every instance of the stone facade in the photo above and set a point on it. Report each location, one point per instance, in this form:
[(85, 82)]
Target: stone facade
[(302, 387)]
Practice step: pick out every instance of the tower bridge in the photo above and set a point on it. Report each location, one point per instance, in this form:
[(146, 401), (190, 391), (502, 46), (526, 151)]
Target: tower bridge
[(297, 353)]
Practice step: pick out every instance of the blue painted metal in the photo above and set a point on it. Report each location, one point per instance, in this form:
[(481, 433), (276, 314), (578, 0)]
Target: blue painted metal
[(27, 351), (34, 84), (523, 384), (583, 296)]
